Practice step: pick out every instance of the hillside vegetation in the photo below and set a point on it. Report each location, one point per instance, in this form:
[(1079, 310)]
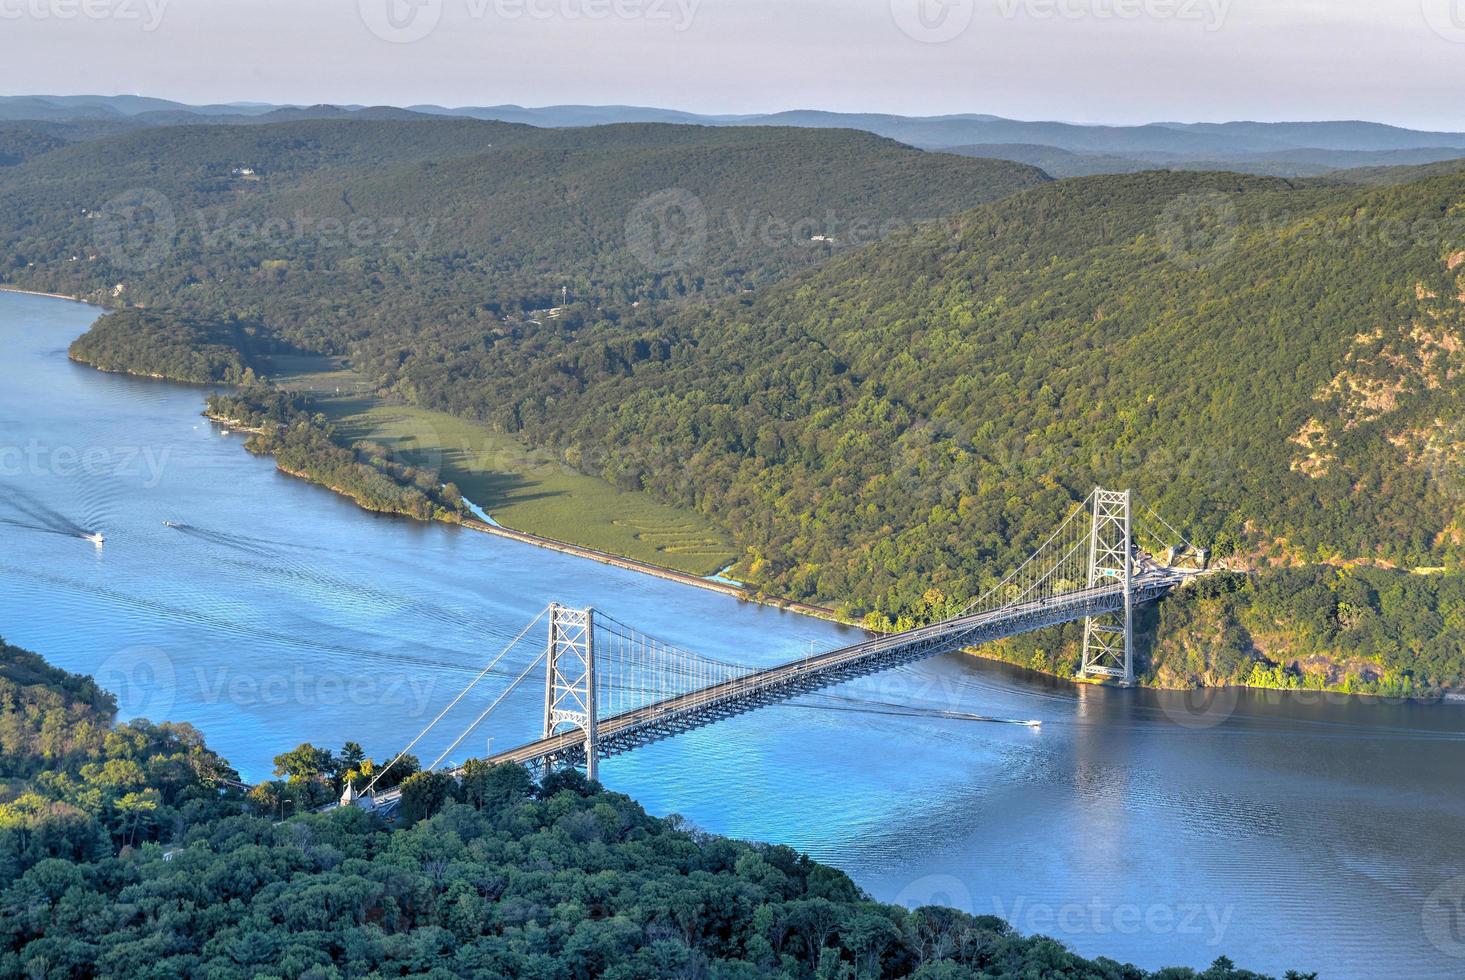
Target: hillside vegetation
[(1287, 391), (424, 242), (133, 852), (21, 143), (179, 347)]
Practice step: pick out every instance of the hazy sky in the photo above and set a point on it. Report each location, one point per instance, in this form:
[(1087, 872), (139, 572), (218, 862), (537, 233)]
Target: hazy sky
[(1123, 61)]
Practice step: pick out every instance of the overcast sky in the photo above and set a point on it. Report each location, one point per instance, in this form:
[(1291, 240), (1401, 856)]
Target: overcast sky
[(1118, 61)]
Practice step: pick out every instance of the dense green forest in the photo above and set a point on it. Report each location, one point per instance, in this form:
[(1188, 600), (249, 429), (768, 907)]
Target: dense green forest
[(415, 240), (131, 850), (180, 347), (303, 445), (909, 414), (21, 143), (75, 787)]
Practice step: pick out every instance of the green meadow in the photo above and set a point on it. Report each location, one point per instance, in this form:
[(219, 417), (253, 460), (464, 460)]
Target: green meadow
[(521, 488)]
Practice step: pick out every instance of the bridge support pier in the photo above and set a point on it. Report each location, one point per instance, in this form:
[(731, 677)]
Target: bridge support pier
[(1108, 640), (569, 692)]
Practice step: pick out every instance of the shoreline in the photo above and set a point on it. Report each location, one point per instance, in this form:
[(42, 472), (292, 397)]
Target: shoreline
[(658, 571), (474, 523), (37, 292)]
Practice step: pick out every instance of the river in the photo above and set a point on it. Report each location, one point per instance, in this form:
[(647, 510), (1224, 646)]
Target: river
[(1285, 832)]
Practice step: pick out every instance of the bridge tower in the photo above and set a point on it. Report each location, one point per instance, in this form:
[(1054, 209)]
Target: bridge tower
[(569, 691), (1108, 640)]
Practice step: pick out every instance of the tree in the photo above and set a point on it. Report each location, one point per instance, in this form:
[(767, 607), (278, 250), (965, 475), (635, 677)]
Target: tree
[(424, 794), (394, 773), (351, 755), (486, 787), (305, 762), (135, 807), (869, 935), (566, 780), (815, 920)]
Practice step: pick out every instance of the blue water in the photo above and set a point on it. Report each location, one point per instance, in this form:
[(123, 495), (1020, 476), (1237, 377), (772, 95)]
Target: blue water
[(1285, 833)]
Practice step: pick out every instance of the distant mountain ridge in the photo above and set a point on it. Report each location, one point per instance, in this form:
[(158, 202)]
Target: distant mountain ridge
[(1241, 145)]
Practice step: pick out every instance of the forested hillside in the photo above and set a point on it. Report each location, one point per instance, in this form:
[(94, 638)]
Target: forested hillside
[(420, 242), (21, 143), (130, 851), (173, 345), (74, 787), (1286, 388)]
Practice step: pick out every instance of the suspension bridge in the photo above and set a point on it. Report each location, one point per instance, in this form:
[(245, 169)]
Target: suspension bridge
[(610, 688)]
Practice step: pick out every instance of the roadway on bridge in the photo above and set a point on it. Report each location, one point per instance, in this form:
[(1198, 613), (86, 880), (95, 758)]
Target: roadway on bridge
[(620, 732)]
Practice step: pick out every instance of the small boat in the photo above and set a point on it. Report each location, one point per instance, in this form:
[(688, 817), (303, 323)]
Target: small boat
[(95, 538), (171, 524)]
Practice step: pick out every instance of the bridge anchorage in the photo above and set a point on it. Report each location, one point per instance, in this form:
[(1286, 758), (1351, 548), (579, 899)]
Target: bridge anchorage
[(610, 688)]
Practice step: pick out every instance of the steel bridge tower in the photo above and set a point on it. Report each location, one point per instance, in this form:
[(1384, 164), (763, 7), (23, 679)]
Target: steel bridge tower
[(569, 692), (1108, 640)]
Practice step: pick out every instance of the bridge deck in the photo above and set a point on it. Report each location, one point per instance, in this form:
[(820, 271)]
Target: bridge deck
[(622, 732)]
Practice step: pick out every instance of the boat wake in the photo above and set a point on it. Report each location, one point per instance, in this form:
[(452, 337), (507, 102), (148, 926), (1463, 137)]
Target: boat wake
[(20, 509)]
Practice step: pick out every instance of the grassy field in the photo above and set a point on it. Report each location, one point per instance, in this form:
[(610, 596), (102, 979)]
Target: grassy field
[(520, 488)]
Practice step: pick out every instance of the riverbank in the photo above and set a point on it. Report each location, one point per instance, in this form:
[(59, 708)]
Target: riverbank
[(35, 292), (231, 423), (527, 489), (645, 568), (1055, 655)]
